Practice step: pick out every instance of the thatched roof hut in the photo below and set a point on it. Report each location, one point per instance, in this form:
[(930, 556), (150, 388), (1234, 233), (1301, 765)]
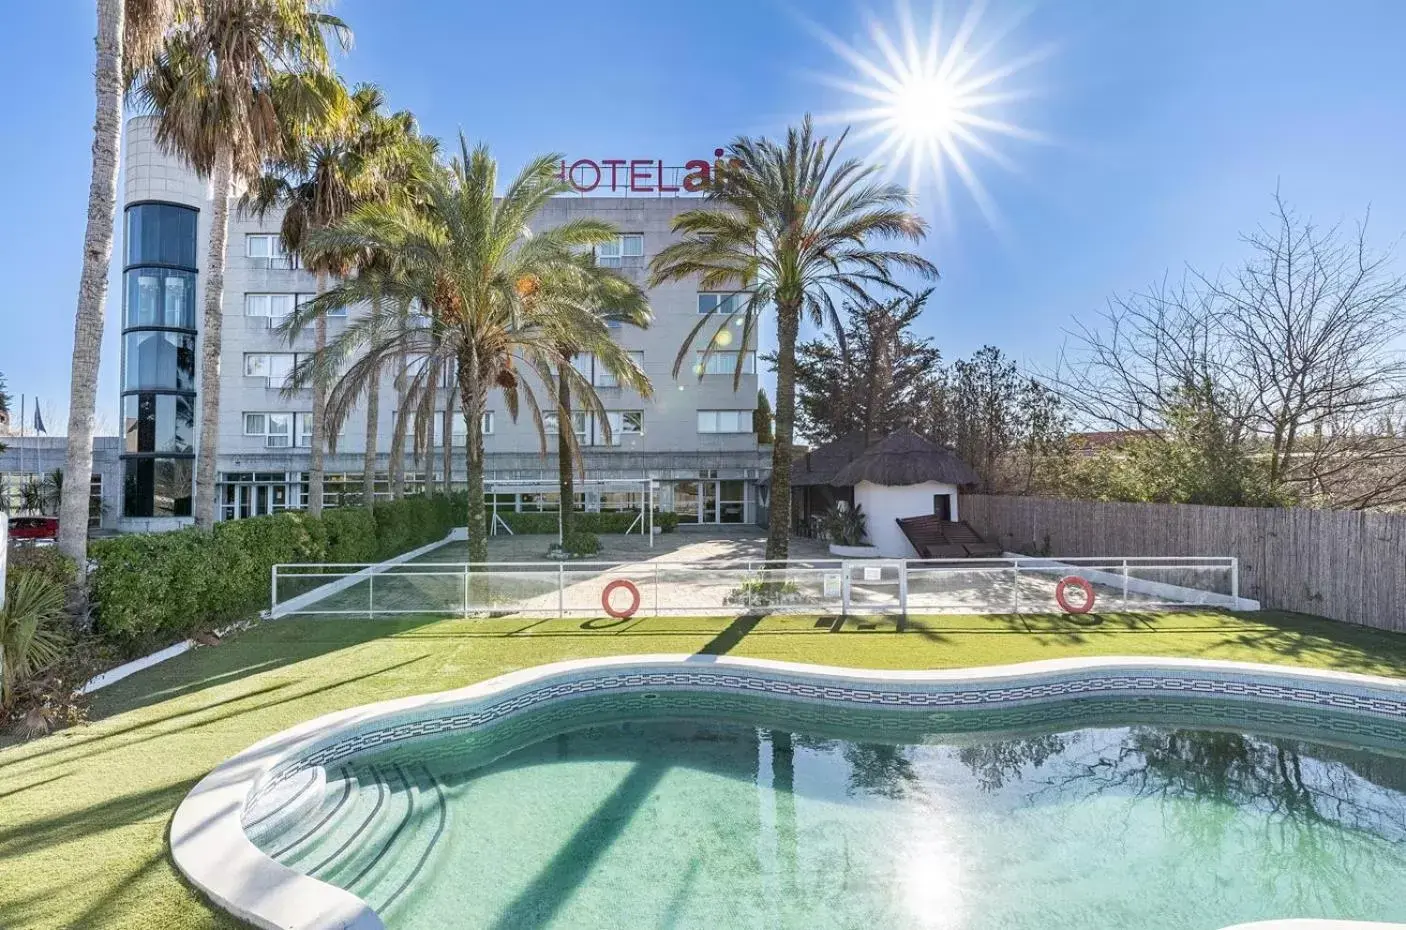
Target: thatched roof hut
[(820, 465), (905, 458)]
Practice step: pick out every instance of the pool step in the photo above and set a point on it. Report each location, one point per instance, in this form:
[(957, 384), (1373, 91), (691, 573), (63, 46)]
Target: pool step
[(353, 805), (374, 832), (409, 853)]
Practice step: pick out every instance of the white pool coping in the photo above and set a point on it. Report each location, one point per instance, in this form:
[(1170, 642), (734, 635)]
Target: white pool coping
[(209, 845)]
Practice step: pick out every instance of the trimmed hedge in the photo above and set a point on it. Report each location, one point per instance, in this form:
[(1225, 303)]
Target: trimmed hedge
[(613, 522), (154, 586)]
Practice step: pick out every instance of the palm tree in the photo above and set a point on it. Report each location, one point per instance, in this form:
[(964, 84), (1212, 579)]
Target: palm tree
[(129, 35), (494, 301), (793, 231), (319, 180), (613, 299), (229, 90)]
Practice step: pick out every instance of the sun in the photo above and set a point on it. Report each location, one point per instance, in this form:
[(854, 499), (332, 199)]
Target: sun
[(937, 102)]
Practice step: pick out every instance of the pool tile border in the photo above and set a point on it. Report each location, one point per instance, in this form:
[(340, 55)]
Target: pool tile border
[(210, 847)]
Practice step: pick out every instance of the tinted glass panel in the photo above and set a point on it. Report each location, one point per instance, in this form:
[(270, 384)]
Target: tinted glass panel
[(161, 233), (159, 360), (157, 487), (159, 297), (158, 423)]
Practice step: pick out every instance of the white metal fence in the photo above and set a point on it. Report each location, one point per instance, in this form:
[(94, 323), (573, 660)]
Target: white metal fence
[(845, 587)]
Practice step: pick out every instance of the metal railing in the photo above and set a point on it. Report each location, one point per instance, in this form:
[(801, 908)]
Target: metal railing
[(824, 586)]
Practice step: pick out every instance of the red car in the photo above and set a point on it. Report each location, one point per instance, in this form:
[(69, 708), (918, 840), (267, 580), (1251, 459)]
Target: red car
[(34, 528)]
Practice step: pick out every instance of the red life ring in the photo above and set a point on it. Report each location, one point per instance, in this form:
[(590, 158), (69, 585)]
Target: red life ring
[(1078, 582), (611, 589)]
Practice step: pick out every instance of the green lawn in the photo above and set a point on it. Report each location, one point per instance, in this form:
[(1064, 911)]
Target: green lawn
[(84, 813)]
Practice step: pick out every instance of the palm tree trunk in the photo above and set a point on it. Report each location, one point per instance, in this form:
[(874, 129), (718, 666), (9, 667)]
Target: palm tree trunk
[(778, 534), (565, 466), (211, 340), (316, 470), (433, 389), (368, 462), (448, 428), (474, 401), (92, 285), (397, 465)]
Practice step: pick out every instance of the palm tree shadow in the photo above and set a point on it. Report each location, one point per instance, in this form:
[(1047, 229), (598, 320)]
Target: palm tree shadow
[(538, 903), (733, 634)]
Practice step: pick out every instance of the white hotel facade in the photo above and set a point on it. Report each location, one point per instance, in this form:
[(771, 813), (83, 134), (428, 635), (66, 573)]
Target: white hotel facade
[(693, 437)]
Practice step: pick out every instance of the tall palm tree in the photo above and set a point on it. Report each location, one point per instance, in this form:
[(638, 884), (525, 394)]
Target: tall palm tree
[(793, 231), (129, 35), (613, 299), (229, 90), (494, 299), (321, 177)]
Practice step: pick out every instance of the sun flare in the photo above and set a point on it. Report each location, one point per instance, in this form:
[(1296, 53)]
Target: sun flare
[(936, 102)]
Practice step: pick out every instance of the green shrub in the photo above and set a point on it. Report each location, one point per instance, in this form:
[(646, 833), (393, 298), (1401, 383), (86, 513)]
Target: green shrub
[(44, 560), (31, 629), (159, 586), (579, 542), (350, 534)]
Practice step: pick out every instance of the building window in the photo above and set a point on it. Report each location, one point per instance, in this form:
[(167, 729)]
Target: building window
[(578, 422), (161, 234), (461, 430), (160, 297), (613, 254), (277, 307), (623, 423), (594, 371), (275, 366), (276, 429), (265, 250), (159, 359), (724, 421), (156, 487), (719, 302), (724, 363), (158, 423)]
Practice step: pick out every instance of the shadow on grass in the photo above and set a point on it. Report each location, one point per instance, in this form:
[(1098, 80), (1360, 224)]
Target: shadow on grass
[(266, 647), (734, 633), (88, 748)]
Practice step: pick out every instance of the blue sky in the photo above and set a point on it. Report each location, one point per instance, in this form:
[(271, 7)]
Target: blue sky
[(1168, 126)]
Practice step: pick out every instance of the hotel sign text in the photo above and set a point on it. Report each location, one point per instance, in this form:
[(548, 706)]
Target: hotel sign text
[(641, 175)]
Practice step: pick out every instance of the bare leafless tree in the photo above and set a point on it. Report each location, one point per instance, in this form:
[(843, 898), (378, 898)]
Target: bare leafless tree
[(1298, 349)]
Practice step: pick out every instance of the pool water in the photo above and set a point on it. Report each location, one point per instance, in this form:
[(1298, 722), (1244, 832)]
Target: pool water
[(719, 812)]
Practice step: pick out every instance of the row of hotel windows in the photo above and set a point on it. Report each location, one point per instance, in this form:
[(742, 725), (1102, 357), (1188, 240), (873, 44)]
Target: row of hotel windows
[(277, 366), (278, 306), (278, 429), (266, 250), (170, 301)]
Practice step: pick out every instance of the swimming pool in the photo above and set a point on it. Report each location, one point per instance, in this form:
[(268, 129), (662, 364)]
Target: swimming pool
[(651, 794)]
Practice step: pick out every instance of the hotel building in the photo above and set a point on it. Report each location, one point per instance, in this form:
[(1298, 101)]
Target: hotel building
[(694, 436)]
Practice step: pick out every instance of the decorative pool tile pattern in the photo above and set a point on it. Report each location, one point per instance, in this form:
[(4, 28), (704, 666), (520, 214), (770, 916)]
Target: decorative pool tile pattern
[(1287, 691)]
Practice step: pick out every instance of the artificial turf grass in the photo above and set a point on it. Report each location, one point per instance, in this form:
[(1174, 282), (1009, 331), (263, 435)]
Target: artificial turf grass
[(84, 813)]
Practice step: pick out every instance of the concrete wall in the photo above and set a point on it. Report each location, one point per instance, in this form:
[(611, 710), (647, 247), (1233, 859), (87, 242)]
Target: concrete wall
[(883, 505)]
